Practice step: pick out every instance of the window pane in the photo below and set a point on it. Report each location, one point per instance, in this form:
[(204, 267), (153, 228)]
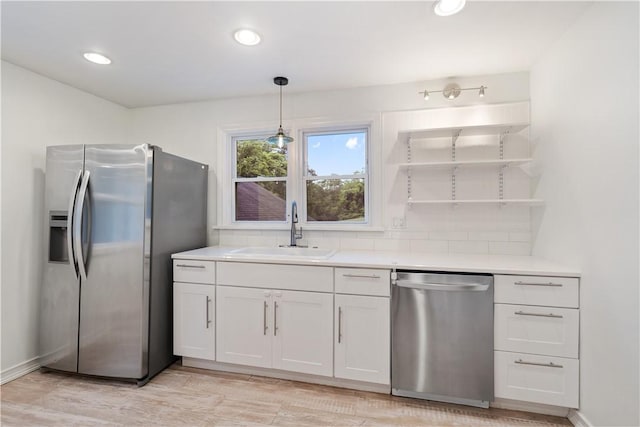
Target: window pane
[(255, 157), (336, 153), (261, 201), (335, 200)]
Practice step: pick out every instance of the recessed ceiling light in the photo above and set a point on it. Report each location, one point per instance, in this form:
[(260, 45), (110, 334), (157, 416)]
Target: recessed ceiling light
[(448, 7), (97, 58), (247, 37)]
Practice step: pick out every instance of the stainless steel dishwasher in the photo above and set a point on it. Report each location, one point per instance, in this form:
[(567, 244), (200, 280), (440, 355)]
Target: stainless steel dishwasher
[(442, 337)]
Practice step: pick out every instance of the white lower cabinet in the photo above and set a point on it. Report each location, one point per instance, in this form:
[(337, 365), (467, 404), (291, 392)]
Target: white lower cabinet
[(536, 332), (288, 330), (539, 379), (242, 321), (303, 332), (193, 320), (362, 340)]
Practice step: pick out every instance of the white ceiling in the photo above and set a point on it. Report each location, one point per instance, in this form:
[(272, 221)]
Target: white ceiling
[(170, 52)]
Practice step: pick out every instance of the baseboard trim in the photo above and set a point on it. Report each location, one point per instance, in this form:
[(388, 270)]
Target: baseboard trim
[(19, 370), (286, 375), (538, 408), (578, 419)]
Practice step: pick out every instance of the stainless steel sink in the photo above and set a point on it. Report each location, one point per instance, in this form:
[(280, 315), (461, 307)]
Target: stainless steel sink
[(281, 252)]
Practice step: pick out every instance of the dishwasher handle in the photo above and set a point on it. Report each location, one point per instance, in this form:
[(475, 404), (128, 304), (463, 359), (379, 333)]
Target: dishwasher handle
[(476, 287)]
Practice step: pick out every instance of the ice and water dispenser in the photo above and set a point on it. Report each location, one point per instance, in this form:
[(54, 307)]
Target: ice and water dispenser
[(58, 236)]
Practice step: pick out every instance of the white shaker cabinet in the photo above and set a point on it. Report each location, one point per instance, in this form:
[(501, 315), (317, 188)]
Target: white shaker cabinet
[(288, 330), (362, 340), (303, 332), (536, 330), (362, 345), (243, 326), (193, 320)]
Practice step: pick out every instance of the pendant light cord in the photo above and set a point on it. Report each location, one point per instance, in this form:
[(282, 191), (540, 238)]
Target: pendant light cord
[(281, 106)]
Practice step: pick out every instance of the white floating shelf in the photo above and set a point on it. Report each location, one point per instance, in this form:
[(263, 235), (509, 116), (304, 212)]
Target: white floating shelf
[(524, 202), (465, 163), (495, 129)]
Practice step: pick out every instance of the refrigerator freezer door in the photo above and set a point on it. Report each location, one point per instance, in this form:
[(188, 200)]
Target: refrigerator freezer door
[(60, 294), (114, 305)]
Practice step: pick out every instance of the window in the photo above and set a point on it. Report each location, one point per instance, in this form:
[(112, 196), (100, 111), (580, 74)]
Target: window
[(260, 180), (326, 170), (336, 176)]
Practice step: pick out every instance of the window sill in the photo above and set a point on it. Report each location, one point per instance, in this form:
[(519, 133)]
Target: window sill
[(305, 227)]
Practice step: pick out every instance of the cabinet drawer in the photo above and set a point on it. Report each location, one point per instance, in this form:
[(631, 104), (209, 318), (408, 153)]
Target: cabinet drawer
[(194, 271), (276, 276), (537, 290), (538, 379), (548, 331), (360, 281)]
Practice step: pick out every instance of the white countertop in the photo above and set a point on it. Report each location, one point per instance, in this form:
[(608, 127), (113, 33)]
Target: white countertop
[(497, 264)]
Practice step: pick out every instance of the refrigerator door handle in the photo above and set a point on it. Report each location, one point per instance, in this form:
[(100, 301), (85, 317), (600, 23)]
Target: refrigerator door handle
[(77, 225), (72, 204)]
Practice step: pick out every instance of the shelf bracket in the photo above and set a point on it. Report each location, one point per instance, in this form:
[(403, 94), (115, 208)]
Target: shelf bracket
[(409, 169), (454, 139), (502, 167), (453, 182)]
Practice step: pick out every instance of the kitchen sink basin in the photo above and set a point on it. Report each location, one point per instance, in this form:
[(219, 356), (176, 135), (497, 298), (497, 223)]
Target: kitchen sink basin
[(286, 252)]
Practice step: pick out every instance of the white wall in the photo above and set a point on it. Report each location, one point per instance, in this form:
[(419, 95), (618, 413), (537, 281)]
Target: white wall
[(191, 130), (37, 112), (584, 114)]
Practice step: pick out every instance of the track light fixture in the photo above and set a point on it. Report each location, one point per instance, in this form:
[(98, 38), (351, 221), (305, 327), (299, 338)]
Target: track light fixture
[(452, 91)]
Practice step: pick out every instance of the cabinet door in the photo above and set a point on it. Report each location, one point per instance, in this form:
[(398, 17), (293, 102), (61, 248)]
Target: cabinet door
[(362, 343), (303, 332), (193, 315), (242, 326)]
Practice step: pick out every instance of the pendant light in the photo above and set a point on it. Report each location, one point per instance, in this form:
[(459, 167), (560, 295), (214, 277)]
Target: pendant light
[(280, 138)]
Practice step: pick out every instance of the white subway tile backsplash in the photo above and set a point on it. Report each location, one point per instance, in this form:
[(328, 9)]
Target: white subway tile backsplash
[(520, 237), (408, 235), (496, 236), (391, 245), (448, 235), (429, 246), (509, 248), (468, 247), (229, 239), (355, 244)]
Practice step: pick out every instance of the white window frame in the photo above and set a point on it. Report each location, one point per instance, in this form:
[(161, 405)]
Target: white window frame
[(333, 130), (235, 179), (296, 182)]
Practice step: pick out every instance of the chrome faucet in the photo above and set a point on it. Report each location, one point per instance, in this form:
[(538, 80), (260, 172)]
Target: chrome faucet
[(294, 220)]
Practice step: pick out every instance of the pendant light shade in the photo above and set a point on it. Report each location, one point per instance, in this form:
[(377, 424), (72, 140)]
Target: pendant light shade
[(280, 139)]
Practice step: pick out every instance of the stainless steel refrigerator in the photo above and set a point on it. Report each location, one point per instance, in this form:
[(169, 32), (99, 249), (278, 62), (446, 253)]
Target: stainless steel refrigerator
[(115, 214)]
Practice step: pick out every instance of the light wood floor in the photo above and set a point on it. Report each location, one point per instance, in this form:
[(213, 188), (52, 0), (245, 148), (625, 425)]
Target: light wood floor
[(189, 396)]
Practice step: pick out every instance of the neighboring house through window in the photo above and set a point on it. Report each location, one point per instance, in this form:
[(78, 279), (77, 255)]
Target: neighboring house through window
[(260, 180)]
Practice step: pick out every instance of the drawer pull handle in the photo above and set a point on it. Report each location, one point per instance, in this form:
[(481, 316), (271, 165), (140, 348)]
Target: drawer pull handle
[(555, 316), (190, 266), (538, 284), (548, 365), (362, 276)]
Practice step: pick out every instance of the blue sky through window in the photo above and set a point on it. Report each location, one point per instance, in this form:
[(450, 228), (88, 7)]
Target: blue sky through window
[(337, 154)]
